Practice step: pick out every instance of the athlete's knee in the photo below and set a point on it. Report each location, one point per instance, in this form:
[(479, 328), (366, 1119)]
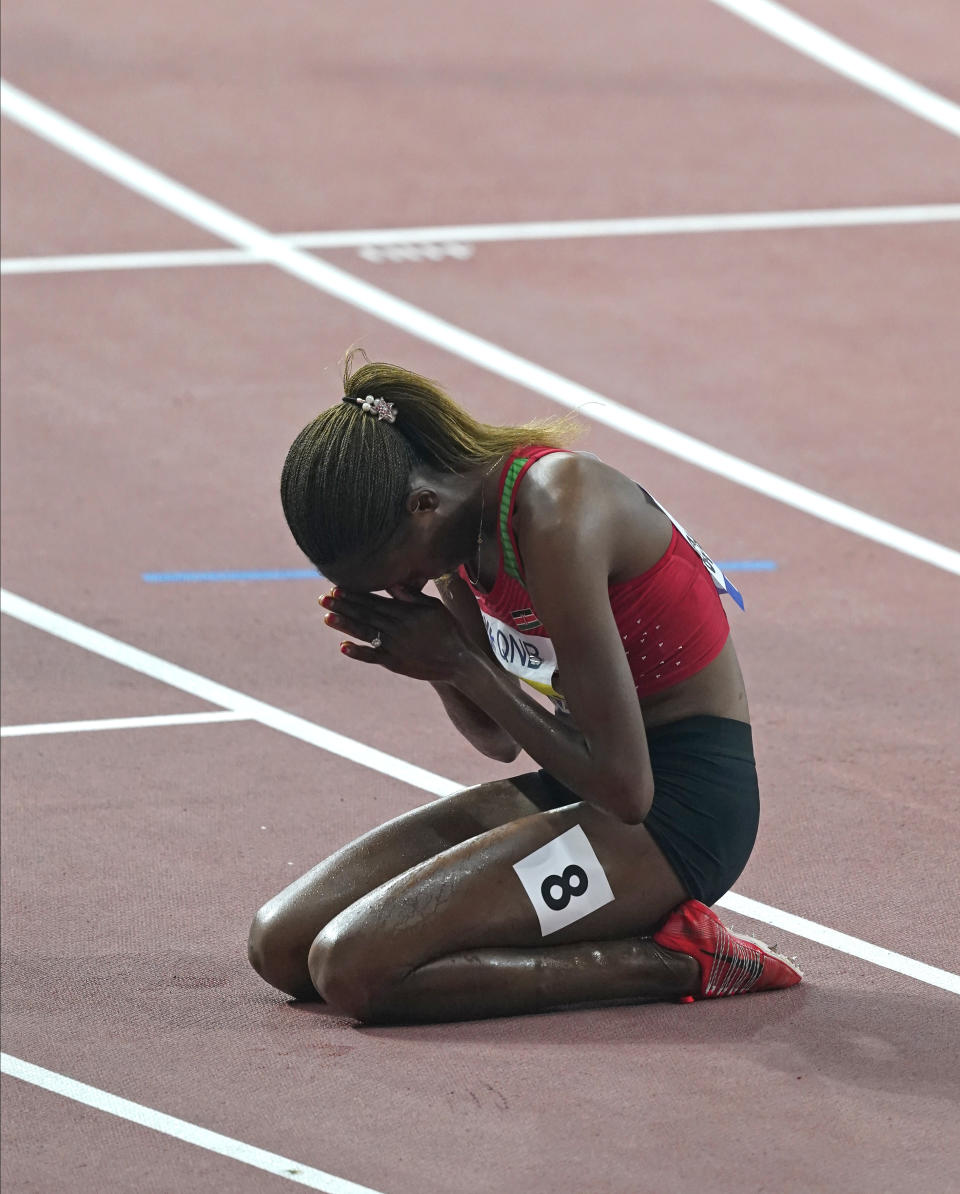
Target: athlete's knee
[(347, 970), (263, 943), (259, 941), (275, 954)]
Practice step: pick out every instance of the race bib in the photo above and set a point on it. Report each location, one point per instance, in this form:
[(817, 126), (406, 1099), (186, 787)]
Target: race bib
[(564, 880), (530, 657)]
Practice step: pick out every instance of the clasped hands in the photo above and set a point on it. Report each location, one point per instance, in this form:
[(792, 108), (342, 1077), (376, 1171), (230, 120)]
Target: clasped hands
[(417, 635)]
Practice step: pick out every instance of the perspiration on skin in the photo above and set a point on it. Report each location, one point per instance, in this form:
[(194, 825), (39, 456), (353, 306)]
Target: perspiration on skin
[(426, 918)]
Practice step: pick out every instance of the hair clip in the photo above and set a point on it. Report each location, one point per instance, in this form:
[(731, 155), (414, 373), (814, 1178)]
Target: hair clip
[(383, 410)]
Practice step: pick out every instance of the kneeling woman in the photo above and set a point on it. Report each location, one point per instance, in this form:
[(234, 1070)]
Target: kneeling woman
[(584, 881)]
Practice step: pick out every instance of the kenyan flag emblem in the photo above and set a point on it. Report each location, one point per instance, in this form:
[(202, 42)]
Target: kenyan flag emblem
[(525, 619)]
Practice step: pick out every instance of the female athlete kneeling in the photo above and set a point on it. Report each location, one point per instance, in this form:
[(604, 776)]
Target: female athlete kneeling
[(584, 881)]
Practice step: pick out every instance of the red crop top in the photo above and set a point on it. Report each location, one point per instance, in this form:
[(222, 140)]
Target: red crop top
[(670, 617)]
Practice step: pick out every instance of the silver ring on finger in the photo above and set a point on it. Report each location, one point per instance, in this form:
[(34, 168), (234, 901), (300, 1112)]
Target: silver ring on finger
[(376, 641)]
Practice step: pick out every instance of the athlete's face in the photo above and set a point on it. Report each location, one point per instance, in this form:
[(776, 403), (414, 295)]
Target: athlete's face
[(434, 537)]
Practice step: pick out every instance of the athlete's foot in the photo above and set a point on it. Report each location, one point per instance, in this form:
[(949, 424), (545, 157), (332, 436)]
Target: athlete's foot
[(730, 964)]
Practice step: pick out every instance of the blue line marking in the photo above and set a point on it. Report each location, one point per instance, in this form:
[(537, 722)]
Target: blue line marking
[(746, 565), (165, 578)]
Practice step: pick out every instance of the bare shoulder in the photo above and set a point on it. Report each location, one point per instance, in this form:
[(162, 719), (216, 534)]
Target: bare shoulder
[(563, 485), (583, 499), (566, 482)]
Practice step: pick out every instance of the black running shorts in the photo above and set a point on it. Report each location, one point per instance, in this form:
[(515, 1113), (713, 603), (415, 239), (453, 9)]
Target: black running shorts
[(706, 803)]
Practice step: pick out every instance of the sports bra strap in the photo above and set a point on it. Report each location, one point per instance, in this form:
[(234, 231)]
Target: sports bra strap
[(510, 563)]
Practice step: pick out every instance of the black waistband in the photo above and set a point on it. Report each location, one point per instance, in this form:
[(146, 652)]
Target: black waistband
[(703, 726)]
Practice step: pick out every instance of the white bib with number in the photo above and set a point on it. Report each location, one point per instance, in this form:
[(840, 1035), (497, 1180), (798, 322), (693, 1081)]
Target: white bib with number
[(564, 880)]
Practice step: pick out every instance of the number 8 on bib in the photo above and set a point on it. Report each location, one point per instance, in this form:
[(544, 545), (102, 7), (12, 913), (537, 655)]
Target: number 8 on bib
[(564, 880)]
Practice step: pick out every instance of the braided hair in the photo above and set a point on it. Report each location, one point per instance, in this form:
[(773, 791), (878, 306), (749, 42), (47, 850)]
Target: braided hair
[(347, 473)]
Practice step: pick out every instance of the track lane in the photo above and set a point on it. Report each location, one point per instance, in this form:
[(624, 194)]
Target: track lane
[(864, 1056), (167, 193), (177, 1022)]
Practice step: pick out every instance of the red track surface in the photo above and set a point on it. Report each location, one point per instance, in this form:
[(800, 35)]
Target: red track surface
[(146, 416)]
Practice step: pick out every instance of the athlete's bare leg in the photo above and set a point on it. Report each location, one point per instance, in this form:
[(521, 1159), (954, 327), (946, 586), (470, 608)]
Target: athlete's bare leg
[(286, 925), (456, 936)]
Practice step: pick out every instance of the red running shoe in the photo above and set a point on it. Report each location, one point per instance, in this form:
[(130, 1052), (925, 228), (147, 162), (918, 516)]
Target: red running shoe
[(729, 964)]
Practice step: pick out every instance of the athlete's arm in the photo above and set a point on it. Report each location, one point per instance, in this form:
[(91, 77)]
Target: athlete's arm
[(566, 531), (480, 730)]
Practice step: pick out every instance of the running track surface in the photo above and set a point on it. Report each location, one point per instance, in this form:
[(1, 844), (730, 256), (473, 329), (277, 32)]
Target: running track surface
[(146, 415)]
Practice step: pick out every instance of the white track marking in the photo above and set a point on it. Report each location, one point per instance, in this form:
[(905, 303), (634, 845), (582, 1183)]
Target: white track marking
[(120, 723), (142, 179), (180, 1129), (95, 262), (749, 221), (917, 99), (463, 235), (799, 926), (412, 251), (287, 723), (844, 60), (218, 694)]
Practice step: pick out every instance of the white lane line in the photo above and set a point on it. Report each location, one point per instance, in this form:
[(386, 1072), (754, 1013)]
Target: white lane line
[(180, 1129), (144, 180), (95, 262), (844, 60), (120, 723), (287, 723), (843, 942), (748, 221), (218, 694), (758, 221)]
